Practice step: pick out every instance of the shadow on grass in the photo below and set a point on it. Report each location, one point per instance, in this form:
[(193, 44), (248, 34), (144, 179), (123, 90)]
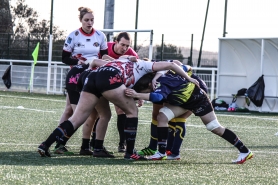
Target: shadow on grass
[(27, 158)]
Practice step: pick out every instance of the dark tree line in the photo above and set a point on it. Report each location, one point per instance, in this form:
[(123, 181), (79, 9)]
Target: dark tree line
[(25, 32)]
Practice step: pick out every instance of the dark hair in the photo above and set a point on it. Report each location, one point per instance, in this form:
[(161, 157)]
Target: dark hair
[(143, 82), (123, 35), (83, 11)]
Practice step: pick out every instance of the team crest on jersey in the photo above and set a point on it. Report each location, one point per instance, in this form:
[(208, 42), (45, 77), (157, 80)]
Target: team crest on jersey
[(76, 33), (66, 45), (88, 40), (69, 40), (96, 44)]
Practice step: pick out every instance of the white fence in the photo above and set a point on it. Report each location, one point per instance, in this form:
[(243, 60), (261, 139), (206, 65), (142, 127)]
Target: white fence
[(21, 73)]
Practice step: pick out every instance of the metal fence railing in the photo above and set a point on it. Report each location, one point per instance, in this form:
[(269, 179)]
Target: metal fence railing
[(21, 73)]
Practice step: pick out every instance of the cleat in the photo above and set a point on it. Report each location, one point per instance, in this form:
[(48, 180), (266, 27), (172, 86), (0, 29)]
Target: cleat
[(121, 148), (242, 157), (173, 157), (168, 152), (62, 150), (158, 156), (85, 152), (134, 156), (44, 150), (146, 151), (103, 153)]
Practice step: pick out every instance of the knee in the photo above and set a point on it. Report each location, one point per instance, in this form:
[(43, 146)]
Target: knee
[(215, 127), (68, 110)]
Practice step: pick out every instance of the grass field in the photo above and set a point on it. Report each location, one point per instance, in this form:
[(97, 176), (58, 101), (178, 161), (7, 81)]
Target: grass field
[(27, 119)]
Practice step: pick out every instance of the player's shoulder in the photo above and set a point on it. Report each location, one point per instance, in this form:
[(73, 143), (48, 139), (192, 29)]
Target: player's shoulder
[(74, 33), (110, 43), (99, 32)]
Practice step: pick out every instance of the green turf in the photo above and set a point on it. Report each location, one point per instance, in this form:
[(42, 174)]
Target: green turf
[(205, 158)]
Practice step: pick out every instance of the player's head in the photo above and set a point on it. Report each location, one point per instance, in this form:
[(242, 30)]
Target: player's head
[(144, 84), (122, 43), (86, 17)]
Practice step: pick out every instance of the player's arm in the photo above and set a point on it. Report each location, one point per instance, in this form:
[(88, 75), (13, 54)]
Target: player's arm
[(98, 63), (107, 57), (129, 57), (153, 97), (67, 59), (103, 52), (160, 66)]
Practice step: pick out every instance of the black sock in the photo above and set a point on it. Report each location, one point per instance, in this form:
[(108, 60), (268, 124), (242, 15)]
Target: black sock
[(162, 134), (93, 135), (85, 144), (153, 139), (63, 141), (121, 119), (232, 138), (98, 144), (64, 129), (130, 133), (171, 134)]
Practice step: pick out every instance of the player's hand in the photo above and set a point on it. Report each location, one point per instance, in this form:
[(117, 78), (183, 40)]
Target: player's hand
[(107, 57), (132, 58), (140, 103), (130, 93), (194, 81), (154, 84), (81, 62)]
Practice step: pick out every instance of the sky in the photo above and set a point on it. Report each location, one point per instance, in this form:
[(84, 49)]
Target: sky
[(177, 20)]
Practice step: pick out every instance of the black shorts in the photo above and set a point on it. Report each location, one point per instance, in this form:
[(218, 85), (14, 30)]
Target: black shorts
[(81, 80), (73, 96), (104, 79), (198, 103), (73, 76)]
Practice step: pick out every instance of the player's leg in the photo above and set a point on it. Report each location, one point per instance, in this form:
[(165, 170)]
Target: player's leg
[(104, 113), (60, 148), (152, 148), (166, 113), (84, 108), (93, 135), (67, 112), (174, 141), (121, 118), (128, 105), (212, 124), (86, 133)]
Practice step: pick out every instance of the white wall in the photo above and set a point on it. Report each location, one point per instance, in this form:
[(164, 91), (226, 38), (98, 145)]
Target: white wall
[(241, 61)]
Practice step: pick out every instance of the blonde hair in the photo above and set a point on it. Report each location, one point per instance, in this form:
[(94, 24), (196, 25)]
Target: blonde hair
[(83, 11)]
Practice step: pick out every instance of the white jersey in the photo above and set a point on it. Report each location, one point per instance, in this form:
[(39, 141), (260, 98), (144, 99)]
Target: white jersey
[(85, 46), (131, 72)]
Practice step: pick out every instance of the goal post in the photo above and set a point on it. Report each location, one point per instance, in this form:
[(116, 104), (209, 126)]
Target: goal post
[(136, 30)]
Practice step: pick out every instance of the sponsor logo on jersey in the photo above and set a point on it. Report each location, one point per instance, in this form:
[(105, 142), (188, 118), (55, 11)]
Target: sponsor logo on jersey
[(76, 33), (80, 45), (96, 44), (69, 40)]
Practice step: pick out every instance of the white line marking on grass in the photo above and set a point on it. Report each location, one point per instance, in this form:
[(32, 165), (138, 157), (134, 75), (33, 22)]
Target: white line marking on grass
[(249, 117), (22, 108), (28, 98)]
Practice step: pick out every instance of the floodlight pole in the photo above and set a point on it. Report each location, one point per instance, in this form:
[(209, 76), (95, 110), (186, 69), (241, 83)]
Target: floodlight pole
[(50, 50), (225, 17), (200, 52), (136, 24)]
